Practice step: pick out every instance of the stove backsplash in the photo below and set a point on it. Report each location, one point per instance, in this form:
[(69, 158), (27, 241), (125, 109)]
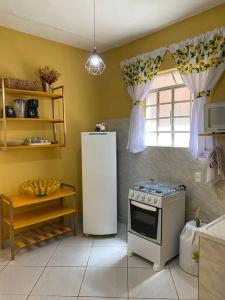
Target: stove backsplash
[(169, 164)]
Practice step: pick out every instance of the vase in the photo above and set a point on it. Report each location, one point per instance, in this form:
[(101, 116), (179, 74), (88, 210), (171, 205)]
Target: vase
[(46, 86)]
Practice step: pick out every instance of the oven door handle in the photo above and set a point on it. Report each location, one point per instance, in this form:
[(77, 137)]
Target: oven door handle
[(143, 206)]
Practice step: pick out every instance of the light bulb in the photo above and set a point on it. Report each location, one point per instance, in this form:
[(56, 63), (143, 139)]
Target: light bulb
[(95, 65), (94, 60)]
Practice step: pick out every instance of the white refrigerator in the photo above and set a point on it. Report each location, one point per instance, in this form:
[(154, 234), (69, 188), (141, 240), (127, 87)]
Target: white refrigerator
[(99, 182)]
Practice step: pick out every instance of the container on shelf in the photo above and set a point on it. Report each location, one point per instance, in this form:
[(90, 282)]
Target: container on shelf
[(32, 108), (20, 108), (9, 112)]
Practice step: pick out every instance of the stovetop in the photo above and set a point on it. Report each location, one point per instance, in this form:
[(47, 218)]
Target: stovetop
[(158, 188)]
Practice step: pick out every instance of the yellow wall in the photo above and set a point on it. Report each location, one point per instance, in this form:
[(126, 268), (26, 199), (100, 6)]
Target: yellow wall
[(87, 98), (115, 100), (20, 56)]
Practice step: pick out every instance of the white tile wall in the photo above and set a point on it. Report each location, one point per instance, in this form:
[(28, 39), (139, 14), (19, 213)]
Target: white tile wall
[(169, 164)]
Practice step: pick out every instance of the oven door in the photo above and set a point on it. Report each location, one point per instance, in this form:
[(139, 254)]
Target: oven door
[(145, 220)]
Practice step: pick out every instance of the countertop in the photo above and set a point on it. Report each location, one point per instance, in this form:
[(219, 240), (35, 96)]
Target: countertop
[(215, 230)]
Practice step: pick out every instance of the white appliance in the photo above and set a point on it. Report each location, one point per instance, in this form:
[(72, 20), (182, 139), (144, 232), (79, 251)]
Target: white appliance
[(156, 219), (99, 181), (214, 117)]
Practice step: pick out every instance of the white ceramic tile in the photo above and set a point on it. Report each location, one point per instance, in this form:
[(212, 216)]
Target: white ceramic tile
[(136, 261), (105, 282), (100, 298), (35, 256), (59, 281), (109, 241), (18, 280), (186, 285), (78, 240), (70, 256), (118, 240), (13, 297), (174, 263), (4, 256), (108, 257), (50, 298), (145, 283)]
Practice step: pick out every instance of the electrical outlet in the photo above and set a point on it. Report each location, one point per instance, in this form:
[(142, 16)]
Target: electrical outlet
[(198, 177)]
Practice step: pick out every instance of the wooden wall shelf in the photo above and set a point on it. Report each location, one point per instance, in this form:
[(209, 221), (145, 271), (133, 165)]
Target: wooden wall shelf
[(56, 117), (38, 94), (31, 146), (33, 120), (23, 220)]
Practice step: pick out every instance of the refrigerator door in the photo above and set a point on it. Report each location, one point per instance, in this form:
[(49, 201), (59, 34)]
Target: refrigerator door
[(99, 181)]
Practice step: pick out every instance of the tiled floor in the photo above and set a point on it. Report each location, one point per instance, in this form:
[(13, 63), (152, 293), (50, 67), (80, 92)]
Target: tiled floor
[(82, 267)]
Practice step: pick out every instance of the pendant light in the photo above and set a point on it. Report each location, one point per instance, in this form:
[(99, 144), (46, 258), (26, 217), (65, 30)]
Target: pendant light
[(95, 65)]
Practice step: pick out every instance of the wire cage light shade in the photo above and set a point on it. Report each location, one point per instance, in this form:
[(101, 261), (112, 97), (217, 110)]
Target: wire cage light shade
[(95, 65)]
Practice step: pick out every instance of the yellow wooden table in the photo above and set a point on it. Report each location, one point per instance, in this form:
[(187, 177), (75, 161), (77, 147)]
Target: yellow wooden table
[(21, 221)]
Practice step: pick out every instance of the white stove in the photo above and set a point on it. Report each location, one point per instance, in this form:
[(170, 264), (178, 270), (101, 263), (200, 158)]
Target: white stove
[(156, 218)]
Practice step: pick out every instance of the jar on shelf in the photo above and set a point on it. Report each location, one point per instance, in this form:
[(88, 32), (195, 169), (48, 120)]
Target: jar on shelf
[(19, 108)]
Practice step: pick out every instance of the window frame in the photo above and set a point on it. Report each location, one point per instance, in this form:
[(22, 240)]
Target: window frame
[(172, 117)]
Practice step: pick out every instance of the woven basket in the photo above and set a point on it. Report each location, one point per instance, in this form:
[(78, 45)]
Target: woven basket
[(21, 84)]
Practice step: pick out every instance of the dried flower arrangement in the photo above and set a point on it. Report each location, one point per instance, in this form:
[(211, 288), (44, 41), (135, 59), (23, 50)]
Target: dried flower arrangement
[(48, 75)]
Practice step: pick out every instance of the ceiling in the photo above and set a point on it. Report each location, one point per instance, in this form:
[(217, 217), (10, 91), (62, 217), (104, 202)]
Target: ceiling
[(117, 21)]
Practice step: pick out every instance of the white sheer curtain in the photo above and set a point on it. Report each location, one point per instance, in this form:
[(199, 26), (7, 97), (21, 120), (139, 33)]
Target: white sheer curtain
[(201, 62), (138, 73)]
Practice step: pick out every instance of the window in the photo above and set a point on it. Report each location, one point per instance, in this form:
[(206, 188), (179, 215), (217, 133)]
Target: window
[(168, 112)]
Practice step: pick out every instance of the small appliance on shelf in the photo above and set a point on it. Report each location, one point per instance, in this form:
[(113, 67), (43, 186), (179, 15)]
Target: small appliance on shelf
[(9, 112), (32, 108)]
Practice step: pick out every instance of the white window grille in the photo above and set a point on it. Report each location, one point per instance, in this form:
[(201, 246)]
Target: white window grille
[(168, 112)]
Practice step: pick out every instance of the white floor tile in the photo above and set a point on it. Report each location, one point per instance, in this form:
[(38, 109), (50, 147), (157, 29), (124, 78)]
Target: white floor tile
[(108, 257), (70, 256), (101, 298), (136, 261), (118, 240), (174, 263), (36, 256), (78, 240), (1, 268), (18, 280), (13, 297), (4, 256), (105, 282), (50, 298), (59, 281), (155, 299), (109, 241), (145, 283), (186, 285)]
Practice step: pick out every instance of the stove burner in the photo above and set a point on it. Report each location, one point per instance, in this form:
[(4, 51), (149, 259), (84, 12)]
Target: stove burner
[(158, 188)]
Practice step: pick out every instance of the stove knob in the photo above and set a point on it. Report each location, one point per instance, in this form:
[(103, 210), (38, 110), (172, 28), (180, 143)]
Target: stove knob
[(143, 197), (132, 194), (155, 201)]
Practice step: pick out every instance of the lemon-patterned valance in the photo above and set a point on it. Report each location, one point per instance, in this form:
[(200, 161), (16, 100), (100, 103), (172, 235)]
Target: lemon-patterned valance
[(200, 53), (140, 69)]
